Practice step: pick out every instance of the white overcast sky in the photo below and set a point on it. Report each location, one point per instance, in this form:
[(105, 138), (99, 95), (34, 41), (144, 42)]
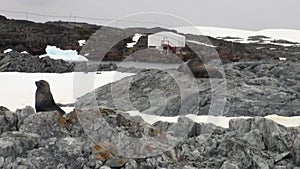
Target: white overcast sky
[(242, 14)]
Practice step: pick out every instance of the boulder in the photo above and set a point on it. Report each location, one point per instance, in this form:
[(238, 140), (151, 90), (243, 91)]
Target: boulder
[(261, 129), (53, 125), (296, 151), (251, 89), (101, 137), (16, 144), (8, 120), (18, 62)]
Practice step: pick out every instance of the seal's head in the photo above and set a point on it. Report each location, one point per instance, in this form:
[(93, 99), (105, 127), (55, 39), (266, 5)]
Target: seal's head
[(42, 86)]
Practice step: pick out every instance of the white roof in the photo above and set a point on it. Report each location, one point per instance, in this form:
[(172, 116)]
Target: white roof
[(173, 38), (170, 34)]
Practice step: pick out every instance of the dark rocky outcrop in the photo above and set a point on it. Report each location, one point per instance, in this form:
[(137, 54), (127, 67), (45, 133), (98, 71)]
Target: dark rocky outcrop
[(32, 37), (111, 43), (252, 89), (14, 61), (104, 138)]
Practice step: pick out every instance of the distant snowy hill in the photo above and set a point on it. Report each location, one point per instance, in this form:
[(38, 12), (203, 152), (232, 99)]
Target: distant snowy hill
[(243, 36)]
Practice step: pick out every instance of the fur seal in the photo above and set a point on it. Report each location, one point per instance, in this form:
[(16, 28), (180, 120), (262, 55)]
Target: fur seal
[(43, 98), (199, 70)]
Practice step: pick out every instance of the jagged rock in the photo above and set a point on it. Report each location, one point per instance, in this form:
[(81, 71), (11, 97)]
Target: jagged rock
[(38, 35), (8, 120), (72, 124), (194, 129), (53, 125), (240, 125), (296, 151), (47, 140), (116, 162), (273, 134), (251, 89), (43, 157), (107, 67), (70, 145), (150, 91), (22, 114), (131, 164), (15, 144), (3, 109), (282, 156), (149, 163), (1, 161), (270, 132), (255, 138), (14, 61), (229, 165)]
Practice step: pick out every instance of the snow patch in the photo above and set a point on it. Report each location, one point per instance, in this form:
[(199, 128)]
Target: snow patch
[(8, 50), (216, 120), (67, 55), (67, 109), (135, 39), (81, 42), (282, 59), (24, 52)]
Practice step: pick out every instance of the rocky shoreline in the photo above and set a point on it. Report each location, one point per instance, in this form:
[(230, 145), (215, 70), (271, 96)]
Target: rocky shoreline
[(46, 140), (99, 134)]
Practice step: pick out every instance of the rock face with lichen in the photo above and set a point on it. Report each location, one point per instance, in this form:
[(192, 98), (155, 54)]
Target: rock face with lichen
[(17, 62), (87, 139), (22, 35), (251, 88)]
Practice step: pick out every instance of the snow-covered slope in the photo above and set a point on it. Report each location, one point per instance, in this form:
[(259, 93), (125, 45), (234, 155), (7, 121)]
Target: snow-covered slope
[(213, 32), (274, 34), (285, 34)]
